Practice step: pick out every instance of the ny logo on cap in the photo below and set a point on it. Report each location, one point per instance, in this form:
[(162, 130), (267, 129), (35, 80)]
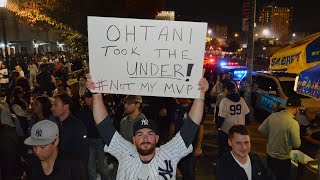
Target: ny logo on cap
[(144, 122), (38, 132)]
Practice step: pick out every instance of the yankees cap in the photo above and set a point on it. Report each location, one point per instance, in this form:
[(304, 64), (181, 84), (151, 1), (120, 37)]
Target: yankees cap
[(42, 133), (145, 123)]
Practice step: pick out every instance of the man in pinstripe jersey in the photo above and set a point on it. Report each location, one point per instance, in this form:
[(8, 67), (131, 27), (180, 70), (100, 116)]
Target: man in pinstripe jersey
[(141, 160)]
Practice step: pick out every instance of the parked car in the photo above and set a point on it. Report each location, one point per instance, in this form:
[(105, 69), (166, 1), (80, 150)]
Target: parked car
[(271, 91)]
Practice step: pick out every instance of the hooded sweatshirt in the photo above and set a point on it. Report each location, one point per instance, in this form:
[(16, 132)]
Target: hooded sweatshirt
[(233, 110)]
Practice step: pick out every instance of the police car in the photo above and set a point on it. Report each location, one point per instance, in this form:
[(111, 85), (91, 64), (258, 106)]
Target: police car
[(237, 71), (271, 91)]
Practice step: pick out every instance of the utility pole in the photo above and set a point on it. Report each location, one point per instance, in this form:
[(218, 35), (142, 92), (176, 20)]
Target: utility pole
[(250, 52), (3, 15)]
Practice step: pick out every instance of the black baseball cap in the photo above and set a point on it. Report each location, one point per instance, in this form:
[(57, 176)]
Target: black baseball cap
[(230, 86), (225, 82), (88, 94), (145, 123), (294, 101)]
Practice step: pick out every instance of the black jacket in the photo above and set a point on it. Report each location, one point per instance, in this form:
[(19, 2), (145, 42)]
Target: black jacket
[(44, 81), (66, 167), (9, 157), (73, 139), (86, 116), (228, 169)]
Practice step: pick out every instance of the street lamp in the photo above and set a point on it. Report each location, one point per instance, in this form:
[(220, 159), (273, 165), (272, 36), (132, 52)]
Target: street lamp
[(3, 4), (293, 37), (265, 32), (209, 32)]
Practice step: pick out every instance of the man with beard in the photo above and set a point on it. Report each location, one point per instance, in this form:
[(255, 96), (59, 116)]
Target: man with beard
[(283, 133), (49, 163), (142, 160), (239, 163), (132, 110)]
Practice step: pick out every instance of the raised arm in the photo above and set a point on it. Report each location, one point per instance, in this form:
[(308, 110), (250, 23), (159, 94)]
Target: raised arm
[(100, 114), (99, 109), (190, 126), (197, 109)]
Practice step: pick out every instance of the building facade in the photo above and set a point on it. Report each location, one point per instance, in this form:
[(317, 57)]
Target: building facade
[(26, 39), (278, 20)]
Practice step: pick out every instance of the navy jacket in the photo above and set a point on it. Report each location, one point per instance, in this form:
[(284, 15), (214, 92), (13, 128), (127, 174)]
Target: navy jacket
[(229, 169)]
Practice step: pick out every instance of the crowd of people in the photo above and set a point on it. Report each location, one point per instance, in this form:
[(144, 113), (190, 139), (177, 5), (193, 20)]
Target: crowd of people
[(61, 126), (49, 130), (231, 115)]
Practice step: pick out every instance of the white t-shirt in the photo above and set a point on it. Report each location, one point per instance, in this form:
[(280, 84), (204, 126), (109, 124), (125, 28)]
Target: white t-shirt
[(33, 69), (144, 173), (233, 112), (246, 167), (21, 72), (3, 80)]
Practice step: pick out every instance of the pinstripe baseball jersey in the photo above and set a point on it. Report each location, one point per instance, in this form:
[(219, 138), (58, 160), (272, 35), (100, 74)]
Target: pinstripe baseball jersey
[(163, 166), (164, 163)]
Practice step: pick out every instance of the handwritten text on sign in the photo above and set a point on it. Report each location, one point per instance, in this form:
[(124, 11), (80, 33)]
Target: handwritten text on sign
[(146, 57)]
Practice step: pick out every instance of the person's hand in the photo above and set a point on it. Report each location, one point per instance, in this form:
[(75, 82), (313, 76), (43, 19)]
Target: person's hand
[(203, 84), (197, 152), (306, 135), (90, 84)]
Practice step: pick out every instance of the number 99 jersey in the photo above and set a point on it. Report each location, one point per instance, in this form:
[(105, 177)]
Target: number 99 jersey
[(233, 112)]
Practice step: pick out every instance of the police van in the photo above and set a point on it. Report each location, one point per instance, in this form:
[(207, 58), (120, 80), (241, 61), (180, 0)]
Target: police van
[(272, 89)]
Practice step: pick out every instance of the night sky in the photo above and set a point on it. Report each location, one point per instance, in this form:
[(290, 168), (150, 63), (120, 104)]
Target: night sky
[(229, 12)]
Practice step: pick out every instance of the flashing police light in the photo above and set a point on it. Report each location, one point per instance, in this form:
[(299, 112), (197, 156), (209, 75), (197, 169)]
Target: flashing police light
[(223, 64), (240, 73)]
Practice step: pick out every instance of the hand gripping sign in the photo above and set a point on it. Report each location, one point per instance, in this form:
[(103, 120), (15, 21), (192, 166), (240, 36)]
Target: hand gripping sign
[(146, 57)]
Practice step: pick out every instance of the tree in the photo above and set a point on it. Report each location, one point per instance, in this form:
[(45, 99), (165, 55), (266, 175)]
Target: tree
[(233, 46), (71, 15)]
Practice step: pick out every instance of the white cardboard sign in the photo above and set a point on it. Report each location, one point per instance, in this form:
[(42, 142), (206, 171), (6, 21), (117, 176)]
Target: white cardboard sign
[(146, 57)]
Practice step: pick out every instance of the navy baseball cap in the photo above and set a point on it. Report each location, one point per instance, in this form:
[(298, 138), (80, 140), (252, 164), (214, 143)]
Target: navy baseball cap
[(145, 123), (294, 101)]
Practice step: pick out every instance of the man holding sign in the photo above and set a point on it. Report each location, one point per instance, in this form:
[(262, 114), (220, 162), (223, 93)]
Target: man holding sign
[(142, 160)]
